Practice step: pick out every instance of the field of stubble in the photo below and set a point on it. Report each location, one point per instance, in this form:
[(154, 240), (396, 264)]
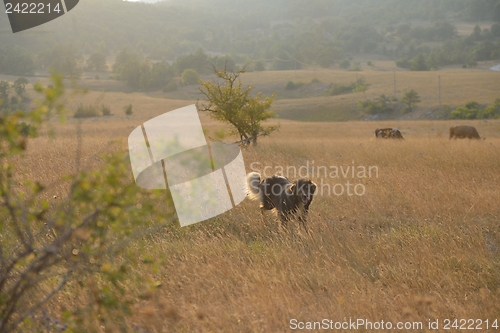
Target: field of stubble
[(422, 242)]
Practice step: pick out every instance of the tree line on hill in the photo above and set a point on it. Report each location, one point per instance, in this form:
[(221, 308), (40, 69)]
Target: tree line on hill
[(480, 45), (292, 33)]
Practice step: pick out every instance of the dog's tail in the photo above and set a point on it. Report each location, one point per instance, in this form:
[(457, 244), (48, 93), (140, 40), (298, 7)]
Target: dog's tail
[(253, 181)]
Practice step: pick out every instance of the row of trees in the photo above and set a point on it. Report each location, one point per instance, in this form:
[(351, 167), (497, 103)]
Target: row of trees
[(385, 104), (440, 31), (290, 43), (63, 58), (473, 110), (16, 60), (458, 51), (410, 100), (142, 73), (167, 31), (12, 96)]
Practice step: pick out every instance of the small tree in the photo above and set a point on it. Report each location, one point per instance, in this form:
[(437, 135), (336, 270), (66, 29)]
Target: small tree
[(419, 63), (496, 12), (476, 34), (4, 91), (345, 64), (229, 103), (128, 109), (259, 66), (62, 58), (105, 110), (190, 76), (20, 88), (49, 244), (97, 62), (410, 100), (495, 28), (361, 86), (381, 105)]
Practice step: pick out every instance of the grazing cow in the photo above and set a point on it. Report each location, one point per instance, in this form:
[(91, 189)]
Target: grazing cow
[(387, 133), (463, 131)]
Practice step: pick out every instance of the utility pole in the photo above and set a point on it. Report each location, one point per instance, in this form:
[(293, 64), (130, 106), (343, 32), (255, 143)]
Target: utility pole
[(394, 83), (439, 89)]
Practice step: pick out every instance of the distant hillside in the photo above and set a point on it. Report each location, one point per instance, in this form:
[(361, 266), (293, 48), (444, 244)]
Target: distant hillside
[(276, 34)]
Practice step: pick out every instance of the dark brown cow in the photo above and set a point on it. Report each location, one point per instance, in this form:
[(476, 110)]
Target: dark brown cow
[(386, 133), (463, 131)]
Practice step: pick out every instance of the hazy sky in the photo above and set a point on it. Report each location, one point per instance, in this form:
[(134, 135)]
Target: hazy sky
[(150, 1)]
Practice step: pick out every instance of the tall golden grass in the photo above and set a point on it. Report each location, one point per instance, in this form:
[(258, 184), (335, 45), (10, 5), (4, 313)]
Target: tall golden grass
[(423, 242)]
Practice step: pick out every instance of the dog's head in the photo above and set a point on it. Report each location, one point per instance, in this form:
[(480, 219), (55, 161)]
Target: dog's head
[(304, 190)]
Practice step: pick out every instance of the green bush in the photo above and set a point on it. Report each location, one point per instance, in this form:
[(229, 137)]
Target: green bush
[(190, 76), (403, 63), (292, 85), (381, 105), (105, 110), (419, 63), (356, 67), (171, 86), (128, 109), (86, 111), (259, 66), (472, 110), (49, 245), (26, 129), (345, 64), (340, 88)]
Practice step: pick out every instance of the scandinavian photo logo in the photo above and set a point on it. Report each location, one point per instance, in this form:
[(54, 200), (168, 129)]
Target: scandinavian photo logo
[(25, 15), (205, 180)]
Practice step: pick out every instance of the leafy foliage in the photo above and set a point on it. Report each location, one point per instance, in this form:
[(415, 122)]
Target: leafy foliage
[(141, 73), (11, 102), (292, 85), (171, 86), (62, 58), (19, 87), (410, 99), (190, 76), (472, 110), (229, 103), (341, 88), (127, 109), (198, 61), (47, 244), (97, 62), (186, 33), (381, 105), (345, 64), (419, 63), (16, 60), (105, 110), (86, 111)]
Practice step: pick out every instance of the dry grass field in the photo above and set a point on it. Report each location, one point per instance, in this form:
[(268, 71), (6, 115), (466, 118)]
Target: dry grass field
[(422, 242)]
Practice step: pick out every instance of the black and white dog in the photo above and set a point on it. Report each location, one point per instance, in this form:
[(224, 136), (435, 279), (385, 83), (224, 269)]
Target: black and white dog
[(289, 199)]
